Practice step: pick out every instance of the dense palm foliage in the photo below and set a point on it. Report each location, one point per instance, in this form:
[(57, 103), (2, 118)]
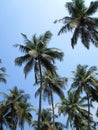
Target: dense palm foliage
[(52, 83), (47, 121), (76, 103), (82, 23), (2, 74), (73, 108), (15, 110), (38, 56), (85, 80)]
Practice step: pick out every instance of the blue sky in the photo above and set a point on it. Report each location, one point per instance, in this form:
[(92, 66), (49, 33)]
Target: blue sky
[(37, 16)]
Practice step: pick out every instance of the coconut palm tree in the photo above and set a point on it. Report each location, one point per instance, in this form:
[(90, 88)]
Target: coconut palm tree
[(84, 81), (15, 110), (52, 83), (46, 121), (38, 56), (73, 107), (82, 22), (2, 74), (4, 120)]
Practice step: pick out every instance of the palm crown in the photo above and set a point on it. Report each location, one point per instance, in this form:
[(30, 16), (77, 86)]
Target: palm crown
[(37, 49), (81, 22), (15, 110), (73, 107), (85, 80)]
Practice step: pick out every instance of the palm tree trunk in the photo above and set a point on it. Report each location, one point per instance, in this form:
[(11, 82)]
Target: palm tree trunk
[(71, 125), (40, 96), (12, 118), (1, 126), (88, 111), (52, 108)]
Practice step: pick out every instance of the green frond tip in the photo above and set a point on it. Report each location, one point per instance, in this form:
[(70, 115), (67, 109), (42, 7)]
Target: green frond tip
[(15, 45), (24, 35), (55, 21)]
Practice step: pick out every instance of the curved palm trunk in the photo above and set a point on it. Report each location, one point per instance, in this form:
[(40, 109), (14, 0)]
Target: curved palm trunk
[(40, 96), (52, 100), (88, 111)]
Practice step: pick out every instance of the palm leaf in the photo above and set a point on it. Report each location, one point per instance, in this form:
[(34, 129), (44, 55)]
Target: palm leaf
[(48, 65), (26, 40), (58, 91), (3, 69), (85, 37), (28, 67), (46, 37), (22, 59), (69, 6), (92, 8), (75, 37), (54, 53), (3, 80), (22, 48), (65, 28)]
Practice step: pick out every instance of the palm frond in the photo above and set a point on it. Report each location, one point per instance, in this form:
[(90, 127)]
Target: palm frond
[(58, 91), (22, 59), (69, 6), (48, 65), (3, 80), (35, 39), (37, 92), (92, 69), (75, 37), (47, 94), (65, 28), (22, 48), (28, 67), (46, 37), (3, 69), (26, 40), (85, 38), (92, 8), (54, 53), (0, 61)]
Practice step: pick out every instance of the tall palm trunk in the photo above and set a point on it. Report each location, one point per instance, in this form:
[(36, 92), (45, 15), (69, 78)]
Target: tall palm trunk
[(77, 128), (88, 111), (12, 118), (1, 126), (52, 100), (40, 96), (71, 125)]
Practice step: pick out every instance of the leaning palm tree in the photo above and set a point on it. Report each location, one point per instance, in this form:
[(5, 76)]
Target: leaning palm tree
[(85, 80), (2, 74), (37, 55), (82, 23), (15, 110), (73, 107), (52, 83)]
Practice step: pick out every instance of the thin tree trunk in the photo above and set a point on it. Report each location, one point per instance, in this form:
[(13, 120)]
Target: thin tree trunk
[(13, 127), (40, 96), (88, 111), (1, 126), (53, 108), (71, 125)]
